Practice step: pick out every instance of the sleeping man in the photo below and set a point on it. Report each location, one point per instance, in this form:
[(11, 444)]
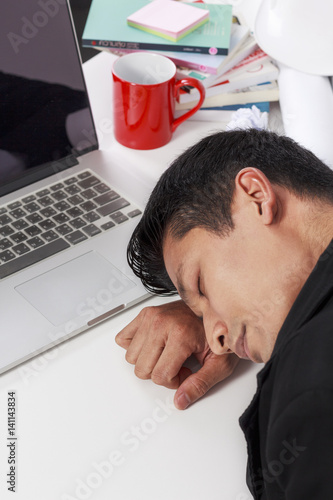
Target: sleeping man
[(241, 227)]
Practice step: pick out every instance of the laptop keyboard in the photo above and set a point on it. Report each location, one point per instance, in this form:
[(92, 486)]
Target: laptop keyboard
[(57, 217)]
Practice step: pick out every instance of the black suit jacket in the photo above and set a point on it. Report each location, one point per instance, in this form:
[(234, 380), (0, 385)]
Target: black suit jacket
[(289, 424)]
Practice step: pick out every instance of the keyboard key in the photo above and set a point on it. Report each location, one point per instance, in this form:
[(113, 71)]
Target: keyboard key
[(32, 257), (62, 205), (21, 249), (48, 212), (50, 235), (89, 182), (3, 210), (33, 231), (5, 219), (76, 237), (134, 213), (47, 224), (14, 205), (112, 207), (106, 197), (84, 175), (42, 193), (91, 217), (120, 219), (75, 200), (116, 215), (34, 218), (88, 206), (57, 186), (36, 242), (101, 188), (71, 190), (64, 229), (91, 230), (5, 243), (32, 207), (6, 231), (29, 199), (6, 256), (70, 181), (61, 218), (20, 224), (78, 223), (88, 194), (18, 237), (59, 195), (18, 213), (46, 201), (75, 212), (108, 225)]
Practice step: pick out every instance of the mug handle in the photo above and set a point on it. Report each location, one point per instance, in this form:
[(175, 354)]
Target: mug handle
[(193, 82)]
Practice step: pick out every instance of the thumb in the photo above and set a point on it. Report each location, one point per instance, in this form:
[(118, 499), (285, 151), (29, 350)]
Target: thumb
[(215, 369), (196, 385)]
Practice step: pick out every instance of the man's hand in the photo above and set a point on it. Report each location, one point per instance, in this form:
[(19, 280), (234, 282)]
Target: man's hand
[(160, 339)]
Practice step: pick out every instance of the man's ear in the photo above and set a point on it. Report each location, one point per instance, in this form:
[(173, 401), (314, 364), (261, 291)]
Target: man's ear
[(254, 184)]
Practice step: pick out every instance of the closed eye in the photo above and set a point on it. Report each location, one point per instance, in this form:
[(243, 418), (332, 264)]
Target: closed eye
[(199, 287)]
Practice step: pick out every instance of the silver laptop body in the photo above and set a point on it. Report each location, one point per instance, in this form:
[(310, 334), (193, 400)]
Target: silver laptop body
[(65, 215)]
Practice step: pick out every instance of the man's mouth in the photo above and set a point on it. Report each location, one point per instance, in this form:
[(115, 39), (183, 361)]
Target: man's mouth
[(241, 347)]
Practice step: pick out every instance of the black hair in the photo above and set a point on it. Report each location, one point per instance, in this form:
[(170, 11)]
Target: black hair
[(197, 191)]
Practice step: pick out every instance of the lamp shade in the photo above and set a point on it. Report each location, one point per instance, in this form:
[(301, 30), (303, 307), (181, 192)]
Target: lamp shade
[(297, 33)]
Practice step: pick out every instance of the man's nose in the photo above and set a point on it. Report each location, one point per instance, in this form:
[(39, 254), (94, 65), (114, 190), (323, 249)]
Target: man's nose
[(216, 333)]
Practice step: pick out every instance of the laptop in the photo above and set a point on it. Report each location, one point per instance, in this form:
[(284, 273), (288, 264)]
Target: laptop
[(64, 224)]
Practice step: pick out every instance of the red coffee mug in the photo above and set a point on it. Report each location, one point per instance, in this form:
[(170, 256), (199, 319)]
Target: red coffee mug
[(144, 93)]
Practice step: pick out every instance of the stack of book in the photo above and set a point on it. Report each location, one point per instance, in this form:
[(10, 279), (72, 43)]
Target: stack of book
[(221, 53)]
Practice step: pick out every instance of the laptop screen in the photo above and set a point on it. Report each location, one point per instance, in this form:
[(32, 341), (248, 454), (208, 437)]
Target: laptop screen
[(45, 118)]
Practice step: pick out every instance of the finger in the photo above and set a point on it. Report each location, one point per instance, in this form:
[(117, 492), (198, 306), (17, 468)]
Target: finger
[(215, 369), (125, 336), (135, 345), (184, 372), (167, 371), (147, 359)]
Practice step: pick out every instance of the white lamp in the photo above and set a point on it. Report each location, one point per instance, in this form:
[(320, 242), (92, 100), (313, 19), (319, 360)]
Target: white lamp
[(297, 33)]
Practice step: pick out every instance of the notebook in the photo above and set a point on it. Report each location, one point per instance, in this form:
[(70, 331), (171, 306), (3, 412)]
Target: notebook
[(64, 225)]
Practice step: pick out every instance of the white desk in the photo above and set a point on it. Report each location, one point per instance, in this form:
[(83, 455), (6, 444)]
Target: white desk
[(87, 427)]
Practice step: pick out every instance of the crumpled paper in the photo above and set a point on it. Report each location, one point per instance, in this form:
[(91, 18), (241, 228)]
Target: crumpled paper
[(245, 118)]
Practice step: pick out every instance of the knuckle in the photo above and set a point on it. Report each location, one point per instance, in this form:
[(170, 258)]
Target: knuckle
[(147, 312), (200, 385), (161, 377), (152, 318), (157, 321), (120, 341), (179, 332), (142, 373)]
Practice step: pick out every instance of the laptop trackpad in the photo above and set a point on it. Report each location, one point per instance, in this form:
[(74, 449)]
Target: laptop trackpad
[(84, 287)]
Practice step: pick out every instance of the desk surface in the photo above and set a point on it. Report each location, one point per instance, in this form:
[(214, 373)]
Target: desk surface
[(87, 428)]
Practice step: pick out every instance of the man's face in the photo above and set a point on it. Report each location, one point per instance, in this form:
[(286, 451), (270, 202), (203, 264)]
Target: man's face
[(242, 285)]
